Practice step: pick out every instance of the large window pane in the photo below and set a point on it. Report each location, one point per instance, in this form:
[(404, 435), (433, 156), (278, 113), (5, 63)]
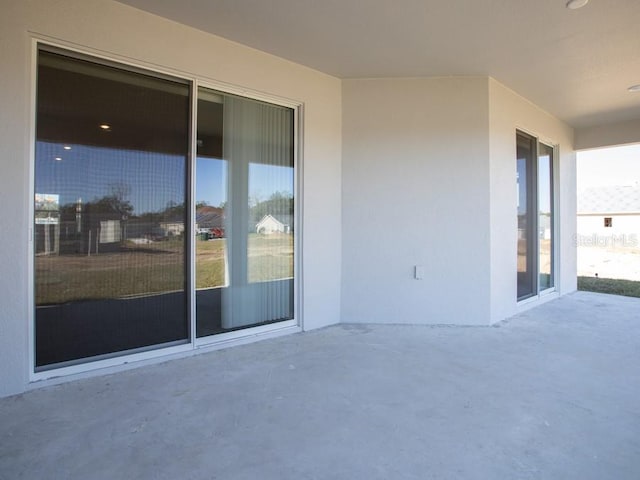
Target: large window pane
[(244, 174), (110, 219), (534, 164), (212, 207), (545, 215), (270, 246), (526, 215)]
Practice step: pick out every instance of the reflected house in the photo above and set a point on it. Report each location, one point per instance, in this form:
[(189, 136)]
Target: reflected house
[(110, 231), (47, 223), (210, 221), (270, 224), (75, 228), (100, 231), (172, 228), (98, 227)]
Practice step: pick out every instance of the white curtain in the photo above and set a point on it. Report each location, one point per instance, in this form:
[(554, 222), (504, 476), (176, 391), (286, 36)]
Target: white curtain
[(257, 144)]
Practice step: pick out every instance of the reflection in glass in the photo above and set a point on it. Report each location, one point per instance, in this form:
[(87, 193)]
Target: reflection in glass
[(212, 206), (211, 241), (110, 213), (270, 246), (526, 221), (245, 177), (545, 215)]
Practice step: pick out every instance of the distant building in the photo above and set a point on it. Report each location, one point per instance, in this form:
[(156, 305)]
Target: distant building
[(270, 224), (609, 213), (172, 229), (210, 222)]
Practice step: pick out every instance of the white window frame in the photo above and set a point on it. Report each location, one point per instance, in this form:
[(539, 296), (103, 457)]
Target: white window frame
[(157, 353), (554, 291)]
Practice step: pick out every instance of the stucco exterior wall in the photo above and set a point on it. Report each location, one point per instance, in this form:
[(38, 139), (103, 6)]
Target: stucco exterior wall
[(416, 192), (508, 112), (429, 179)]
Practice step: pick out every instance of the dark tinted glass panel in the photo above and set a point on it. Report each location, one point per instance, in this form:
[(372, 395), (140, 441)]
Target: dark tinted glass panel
[(244, 213), (526, 215), (110, 219)]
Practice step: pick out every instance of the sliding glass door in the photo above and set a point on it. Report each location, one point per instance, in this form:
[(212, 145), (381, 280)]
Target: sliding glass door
[(244, 213), (110, 218), (534, 173), (120, 200), (526, 216)]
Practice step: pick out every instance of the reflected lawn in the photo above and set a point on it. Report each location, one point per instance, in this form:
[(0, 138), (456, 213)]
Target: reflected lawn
[(131, 271), (157, 267), (270, 257)]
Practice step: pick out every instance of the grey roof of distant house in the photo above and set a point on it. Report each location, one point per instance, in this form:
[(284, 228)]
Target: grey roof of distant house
[(209, 219), (618, 199)]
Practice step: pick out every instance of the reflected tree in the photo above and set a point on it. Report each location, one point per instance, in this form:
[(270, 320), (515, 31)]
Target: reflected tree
[(278, 204)]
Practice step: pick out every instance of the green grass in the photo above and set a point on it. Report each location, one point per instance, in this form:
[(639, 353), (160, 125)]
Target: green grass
[(210, 263), (154, 268), (270, 257), (266, 268), (628, 288), (62, 286)]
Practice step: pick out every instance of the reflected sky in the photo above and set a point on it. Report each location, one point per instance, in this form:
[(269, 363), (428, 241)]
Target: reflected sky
[(522, 185), (211, 181), (544, 184), (264, 181), (154, 180)]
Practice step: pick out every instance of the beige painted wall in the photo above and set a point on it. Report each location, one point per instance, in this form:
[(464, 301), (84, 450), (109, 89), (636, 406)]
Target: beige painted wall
[(508, 112), (416, 192), (110, 28)]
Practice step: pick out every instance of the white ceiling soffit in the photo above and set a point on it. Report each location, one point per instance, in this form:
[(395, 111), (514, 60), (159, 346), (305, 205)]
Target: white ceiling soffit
[(576, 64)]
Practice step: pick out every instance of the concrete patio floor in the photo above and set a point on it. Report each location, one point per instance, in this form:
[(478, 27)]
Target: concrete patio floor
[(553, 393)]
